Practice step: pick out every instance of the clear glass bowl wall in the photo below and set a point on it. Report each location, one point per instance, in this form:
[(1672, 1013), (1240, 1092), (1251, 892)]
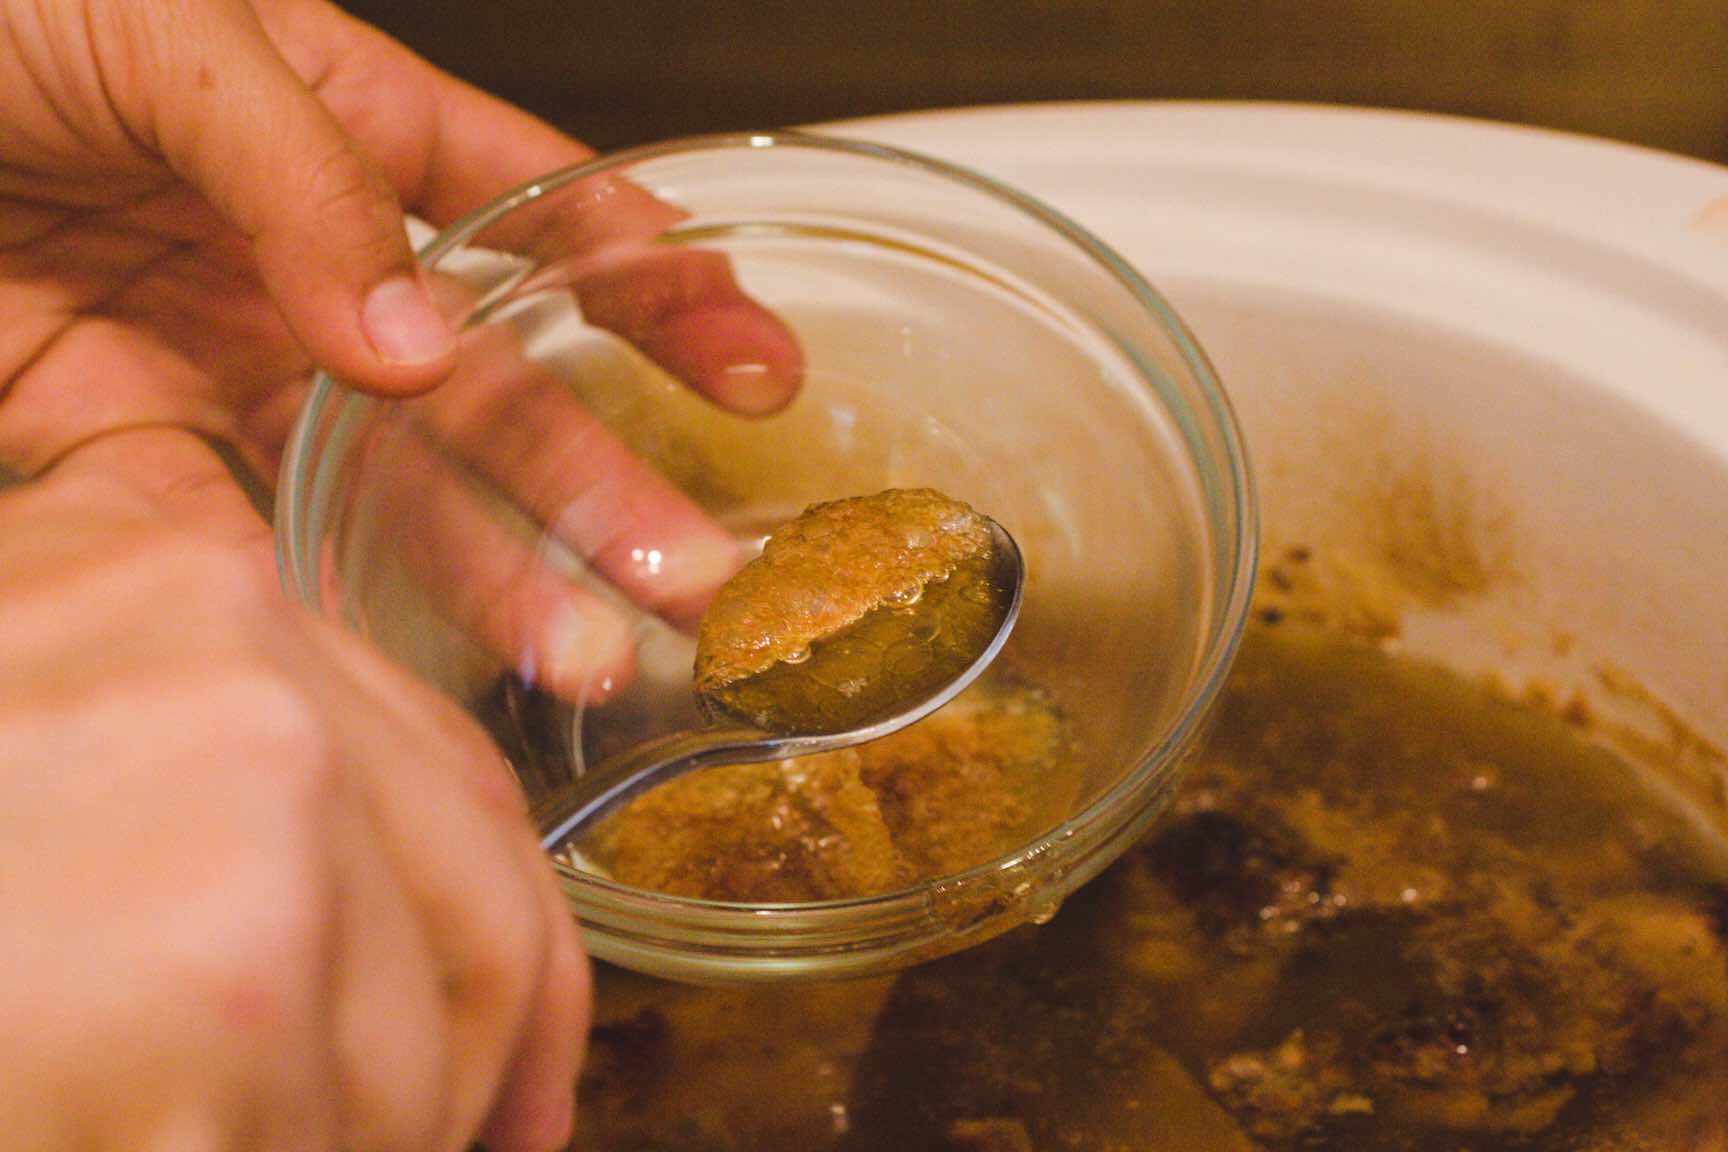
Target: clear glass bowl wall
[(956, 335)]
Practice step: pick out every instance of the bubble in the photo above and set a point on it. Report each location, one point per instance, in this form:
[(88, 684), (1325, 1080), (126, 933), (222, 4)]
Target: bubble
[(977, 592), (796, 657), (905, 597)]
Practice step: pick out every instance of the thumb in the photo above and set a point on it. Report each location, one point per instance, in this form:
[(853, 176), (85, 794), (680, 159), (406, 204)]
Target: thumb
[(232, 119)]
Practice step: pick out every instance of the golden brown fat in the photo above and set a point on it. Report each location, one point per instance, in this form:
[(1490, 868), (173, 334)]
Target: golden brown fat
[(886, 548)]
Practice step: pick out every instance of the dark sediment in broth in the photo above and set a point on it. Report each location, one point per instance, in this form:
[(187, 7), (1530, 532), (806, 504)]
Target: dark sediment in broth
[(1390, 910)]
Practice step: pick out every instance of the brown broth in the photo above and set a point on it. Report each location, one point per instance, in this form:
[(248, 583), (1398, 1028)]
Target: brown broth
[(959, 788), (1390, 910)]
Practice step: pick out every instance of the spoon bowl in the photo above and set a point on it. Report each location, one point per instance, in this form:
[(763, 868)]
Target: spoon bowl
[(563, 816)]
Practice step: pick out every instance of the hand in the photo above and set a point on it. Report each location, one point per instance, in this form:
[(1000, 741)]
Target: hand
[(200, 197), (258, 890)]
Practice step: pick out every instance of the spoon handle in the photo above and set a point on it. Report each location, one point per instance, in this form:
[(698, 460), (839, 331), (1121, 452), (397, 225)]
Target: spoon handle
[(624, 777)]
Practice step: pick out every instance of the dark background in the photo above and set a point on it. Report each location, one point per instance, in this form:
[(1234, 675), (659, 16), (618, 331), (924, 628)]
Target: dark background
[(625, 71)]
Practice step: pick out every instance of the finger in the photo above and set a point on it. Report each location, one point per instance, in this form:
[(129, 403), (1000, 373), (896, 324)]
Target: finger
[(730, 348), (519, 428), (388, 1007), (536, 1109), (453, 827), (684, 309), (494, 585), (232, 118)]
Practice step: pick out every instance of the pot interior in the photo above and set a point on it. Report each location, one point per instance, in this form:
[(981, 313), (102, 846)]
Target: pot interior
[(1454, 873)]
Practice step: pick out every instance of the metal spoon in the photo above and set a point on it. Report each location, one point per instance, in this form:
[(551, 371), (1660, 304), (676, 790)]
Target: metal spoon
[(654, 762)]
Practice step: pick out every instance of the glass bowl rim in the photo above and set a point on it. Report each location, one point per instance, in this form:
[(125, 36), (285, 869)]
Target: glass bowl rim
[(1225, 632)]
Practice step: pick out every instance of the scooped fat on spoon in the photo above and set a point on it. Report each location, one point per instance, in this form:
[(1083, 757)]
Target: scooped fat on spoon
[(854, 608)]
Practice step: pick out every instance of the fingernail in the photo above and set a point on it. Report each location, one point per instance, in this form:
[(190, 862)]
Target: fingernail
[(403, 324), (589, 652), (753, 389), (693, 572)]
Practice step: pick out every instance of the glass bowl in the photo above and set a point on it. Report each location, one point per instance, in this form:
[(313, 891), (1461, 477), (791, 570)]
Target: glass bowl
[(950, 332)]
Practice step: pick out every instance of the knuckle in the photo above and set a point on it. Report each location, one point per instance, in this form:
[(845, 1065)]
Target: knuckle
[(285, 727), (336, 178), (509, 955), (256, 972), (266, 984), (340, 185), (275, 974)]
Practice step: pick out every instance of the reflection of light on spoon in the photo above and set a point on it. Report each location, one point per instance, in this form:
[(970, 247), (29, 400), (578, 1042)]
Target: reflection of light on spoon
[(579, 860)]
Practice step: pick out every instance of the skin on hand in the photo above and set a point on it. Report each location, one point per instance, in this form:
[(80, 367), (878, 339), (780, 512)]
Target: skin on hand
[(260, 890), (201, 198)]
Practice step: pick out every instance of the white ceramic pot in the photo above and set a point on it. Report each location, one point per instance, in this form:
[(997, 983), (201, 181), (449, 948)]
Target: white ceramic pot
[(1484, 369)]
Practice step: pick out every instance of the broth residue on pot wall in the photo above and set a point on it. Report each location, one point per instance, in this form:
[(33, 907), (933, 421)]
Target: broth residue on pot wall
[(1391, 909)]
